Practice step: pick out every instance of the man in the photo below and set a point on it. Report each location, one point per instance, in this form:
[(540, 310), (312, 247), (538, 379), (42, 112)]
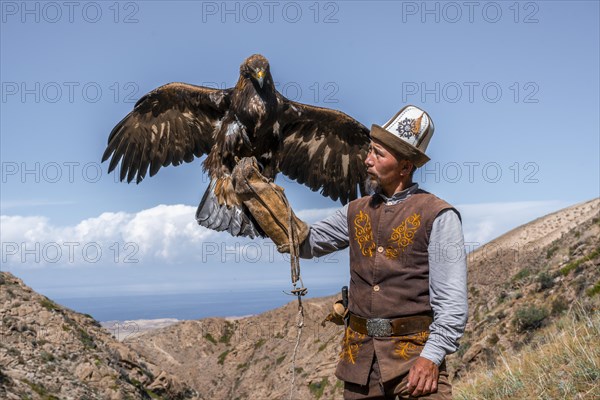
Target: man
[(408, 301)]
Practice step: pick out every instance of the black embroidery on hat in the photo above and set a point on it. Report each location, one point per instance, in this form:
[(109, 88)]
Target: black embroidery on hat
[(409, 127)]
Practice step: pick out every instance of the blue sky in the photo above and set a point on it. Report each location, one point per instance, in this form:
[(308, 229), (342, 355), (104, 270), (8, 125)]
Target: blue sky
[(513, 89)]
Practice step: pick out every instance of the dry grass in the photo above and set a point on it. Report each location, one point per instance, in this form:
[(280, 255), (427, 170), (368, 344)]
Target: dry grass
[(564, 363)]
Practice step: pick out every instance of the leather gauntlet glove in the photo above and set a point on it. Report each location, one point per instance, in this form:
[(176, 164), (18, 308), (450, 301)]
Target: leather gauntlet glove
[(268, 205)]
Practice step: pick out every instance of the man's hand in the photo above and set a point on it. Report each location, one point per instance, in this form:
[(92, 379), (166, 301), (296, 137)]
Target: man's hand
[(423, 377)]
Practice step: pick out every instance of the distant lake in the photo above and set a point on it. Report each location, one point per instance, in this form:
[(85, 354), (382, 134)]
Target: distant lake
[(186, 306)]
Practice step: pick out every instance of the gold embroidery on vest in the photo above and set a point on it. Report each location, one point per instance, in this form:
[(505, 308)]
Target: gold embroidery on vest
[(406, 345), (364, 234), (402, 236), (349, 347)]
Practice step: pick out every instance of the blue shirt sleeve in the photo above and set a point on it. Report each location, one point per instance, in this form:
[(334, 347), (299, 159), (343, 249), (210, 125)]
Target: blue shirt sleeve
[(447, 286), (327, 236)]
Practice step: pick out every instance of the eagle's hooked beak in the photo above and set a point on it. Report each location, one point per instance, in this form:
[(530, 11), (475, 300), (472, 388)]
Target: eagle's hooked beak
[(260, 77)]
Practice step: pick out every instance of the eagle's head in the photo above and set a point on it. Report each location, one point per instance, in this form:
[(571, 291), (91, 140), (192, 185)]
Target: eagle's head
[(256, 68)]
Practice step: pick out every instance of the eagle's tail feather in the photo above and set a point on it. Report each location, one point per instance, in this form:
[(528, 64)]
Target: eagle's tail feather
[(234, 218)]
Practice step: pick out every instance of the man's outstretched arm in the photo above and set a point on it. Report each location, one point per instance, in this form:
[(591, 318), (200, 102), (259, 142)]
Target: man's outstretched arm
[(326, 236)]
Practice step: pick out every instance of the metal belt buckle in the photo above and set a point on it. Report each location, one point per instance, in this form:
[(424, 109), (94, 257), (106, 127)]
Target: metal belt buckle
[(378, 327)]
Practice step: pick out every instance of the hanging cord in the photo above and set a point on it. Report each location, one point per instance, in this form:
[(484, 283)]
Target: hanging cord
[(298, 291)]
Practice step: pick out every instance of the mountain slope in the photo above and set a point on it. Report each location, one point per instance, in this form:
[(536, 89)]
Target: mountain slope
[(526, 279), (562, 362), (50, 352), (250, 357)]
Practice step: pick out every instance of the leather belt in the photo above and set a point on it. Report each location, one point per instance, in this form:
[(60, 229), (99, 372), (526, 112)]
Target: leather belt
[(381, 327)]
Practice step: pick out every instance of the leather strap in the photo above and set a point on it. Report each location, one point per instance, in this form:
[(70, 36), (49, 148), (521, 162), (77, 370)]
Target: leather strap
[(379, 327)]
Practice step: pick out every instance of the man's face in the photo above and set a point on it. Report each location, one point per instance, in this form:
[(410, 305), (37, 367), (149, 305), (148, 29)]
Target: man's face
[(382, 165), (384, 169)]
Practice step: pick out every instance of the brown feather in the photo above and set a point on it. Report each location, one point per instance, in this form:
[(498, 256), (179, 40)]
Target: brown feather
[(322, 148)]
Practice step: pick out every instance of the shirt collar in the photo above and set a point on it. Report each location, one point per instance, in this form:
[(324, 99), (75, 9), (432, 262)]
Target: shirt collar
[(401, 195)]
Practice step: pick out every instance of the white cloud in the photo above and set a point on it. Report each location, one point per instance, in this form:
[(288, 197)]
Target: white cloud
[(164, 231), (486, 221), (163, 234), (169, 235)]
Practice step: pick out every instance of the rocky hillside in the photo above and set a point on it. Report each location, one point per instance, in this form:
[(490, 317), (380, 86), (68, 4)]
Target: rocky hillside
[(50, 352), (562, 361), (251, 357), (526, 279)]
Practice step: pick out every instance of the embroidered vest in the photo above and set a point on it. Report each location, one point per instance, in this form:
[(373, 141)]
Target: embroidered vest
[(389, 274)]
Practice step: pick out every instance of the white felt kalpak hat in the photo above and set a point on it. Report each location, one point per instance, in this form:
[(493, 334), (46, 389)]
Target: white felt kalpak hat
[(408, 133)]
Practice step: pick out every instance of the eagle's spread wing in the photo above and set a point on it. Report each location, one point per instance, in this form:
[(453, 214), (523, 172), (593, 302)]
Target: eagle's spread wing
[(322, 148), (169, 125)]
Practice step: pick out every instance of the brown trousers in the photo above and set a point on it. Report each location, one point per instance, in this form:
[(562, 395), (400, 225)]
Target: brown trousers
[(396, 389)]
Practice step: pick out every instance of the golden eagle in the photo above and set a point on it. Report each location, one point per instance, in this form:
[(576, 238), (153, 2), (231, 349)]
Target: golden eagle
[(319, 147)]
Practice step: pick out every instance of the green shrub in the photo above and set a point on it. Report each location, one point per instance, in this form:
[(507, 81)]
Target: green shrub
[(551, 251), (49, 304), (558, 306), (210, 338), (594, 290), (228, 331), (529, 318), (522, 274), (545, 280), (221, 358), (46, 357), (493, 339), (86, 339), (518, 295), (317, 388), (40, 390), (462, 349), (572, 265)]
